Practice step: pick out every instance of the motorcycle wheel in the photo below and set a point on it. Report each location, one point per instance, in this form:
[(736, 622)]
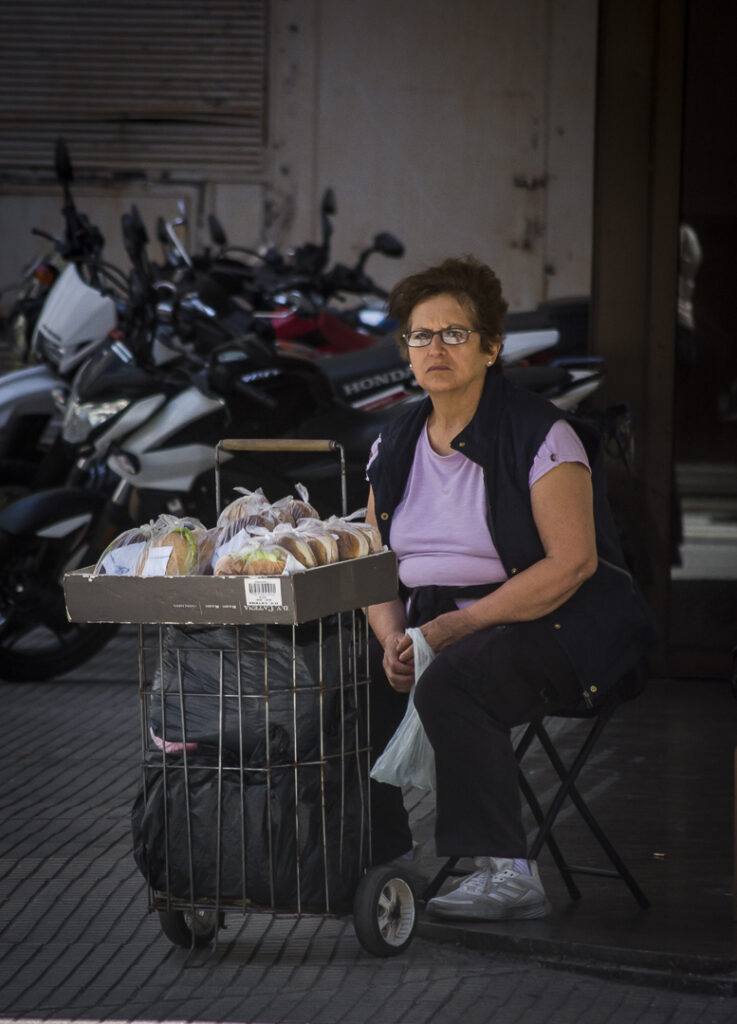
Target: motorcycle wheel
[(37, 641)]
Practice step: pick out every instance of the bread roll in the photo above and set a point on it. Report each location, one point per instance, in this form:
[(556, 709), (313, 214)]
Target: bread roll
[(299, 548), (249, 503), (266, 519), (231, 564), (372, 534), (352, 543), (303, 510), (291, 510), (323, 544)]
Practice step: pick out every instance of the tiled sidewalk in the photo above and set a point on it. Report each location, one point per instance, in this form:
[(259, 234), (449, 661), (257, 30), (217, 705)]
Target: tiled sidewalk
[(76, 940)]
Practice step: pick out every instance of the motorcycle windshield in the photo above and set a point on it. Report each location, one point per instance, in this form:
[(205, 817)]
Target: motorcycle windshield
[(73, 315)]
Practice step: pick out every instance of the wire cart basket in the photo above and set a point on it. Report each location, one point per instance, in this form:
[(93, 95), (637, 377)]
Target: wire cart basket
[(255, 748)]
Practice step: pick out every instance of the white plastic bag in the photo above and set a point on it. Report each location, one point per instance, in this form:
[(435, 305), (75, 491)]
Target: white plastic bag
[(408, 758)]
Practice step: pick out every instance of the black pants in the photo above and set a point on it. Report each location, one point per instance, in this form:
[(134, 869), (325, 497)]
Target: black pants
[(468, 699), (390, 831)]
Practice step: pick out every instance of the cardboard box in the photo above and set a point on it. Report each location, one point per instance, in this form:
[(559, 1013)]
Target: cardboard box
[(231, 600)]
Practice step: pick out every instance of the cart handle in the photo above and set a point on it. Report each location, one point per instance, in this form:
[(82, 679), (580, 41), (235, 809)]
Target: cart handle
[(278, 444)]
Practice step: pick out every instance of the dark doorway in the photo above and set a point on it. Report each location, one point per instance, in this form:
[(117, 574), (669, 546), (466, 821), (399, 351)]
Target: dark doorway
[(703, 591)]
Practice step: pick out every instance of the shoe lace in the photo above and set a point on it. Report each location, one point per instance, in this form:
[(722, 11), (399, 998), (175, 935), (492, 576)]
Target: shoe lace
[(501, 875), (477, 882)]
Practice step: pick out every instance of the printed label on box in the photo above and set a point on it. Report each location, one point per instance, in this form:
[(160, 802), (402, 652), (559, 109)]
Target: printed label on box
[(262, 593)]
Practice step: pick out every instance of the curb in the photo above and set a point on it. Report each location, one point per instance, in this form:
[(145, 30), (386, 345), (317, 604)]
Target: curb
[(706, 975)]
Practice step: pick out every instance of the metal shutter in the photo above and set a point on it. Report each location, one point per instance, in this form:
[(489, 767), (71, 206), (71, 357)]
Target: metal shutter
[(162, 88)]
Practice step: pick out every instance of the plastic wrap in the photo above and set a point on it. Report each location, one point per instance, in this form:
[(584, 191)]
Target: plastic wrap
[(123, 556), (177, 547), (249, 504)]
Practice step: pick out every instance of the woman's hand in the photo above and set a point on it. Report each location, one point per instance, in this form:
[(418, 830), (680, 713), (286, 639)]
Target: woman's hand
[(446, 629), (399, 655), (399, 664)]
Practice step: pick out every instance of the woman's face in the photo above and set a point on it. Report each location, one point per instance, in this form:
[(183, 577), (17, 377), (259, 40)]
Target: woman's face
[(441, 368)]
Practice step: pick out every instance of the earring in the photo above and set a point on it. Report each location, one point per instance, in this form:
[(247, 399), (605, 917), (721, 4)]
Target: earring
[(490, 363)]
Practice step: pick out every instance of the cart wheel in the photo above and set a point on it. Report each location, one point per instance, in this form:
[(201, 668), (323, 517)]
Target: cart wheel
[(384, 911), (189, 928)]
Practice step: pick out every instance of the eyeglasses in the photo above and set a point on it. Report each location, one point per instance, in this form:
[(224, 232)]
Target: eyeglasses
[(449, 335)]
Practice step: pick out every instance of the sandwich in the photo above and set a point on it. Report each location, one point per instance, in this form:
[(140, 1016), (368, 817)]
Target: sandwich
[(183, 557), (269, 561)]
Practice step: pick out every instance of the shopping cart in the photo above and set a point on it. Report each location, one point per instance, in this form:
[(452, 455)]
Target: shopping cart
[(255, 747)]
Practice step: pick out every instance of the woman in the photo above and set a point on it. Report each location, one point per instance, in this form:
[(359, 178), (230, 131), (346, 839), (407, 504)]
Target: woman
[(494, 502)]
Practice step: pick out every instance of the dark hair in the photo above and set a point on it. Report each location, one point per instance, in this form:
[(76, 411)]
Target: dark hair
[(474, 285)]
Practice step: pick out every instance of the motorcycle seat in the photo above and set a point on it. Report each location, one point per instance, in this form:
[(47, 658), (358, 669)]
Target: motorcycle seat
[(353, 375), (547, 381)]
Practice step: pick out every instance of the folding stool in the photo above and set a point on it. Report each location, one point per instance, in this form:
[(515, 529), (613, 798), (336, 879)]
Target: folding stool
[(598, 716)]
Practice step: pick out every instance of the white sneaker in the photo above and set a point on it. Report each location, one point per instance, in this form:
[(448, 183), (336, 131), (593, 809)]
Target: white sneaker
[(495, 893)]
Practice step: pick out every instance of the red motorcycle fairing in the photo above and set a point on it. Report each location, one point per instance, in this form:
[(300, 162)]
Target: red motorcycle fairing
[(325, 332)]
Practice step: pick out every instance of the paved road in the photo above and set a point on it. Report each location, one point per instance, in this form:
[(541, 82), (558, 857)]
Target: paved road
[(76, 941)]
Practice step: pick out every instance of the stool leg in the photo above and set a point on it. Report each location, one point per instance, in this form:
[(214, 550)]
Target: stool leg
[(568, 788), (432, 887), (521, 748), (561, 863)]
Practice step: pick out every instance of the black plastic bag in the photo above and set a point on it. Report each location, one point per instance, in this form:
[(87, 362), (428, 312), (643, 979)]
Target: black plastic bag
[(265, 830), (229, 681)]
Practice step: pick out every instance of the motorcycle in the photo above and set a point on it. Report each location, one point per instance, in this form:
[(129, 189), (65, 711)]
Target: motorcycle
[(67, 307), (87, 301), (81, 240), (150, 438)]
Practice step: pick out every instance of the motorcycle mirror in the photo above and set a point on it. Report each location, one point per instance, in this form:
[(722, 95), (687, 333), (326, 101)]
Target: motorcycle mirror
[(62, 162), (170, 225), (388, 245), (217, 233), (161, 235), (129, 237), (328, 206), (135, 237), (139, 226)]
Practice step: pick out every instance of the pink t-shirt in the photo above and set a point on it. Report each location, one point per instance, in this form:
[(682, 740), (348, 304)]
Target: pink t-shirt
[(439, 530)]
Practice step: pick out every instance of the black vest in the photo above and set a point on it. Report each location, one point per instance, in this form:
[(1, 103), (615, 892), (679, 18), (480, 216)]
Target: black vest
[(606, 626)]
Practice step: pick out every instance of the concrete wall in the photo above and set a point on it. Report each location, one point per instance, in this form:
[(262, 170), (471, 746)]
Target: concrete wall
[(463, 127), (460, 127)]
